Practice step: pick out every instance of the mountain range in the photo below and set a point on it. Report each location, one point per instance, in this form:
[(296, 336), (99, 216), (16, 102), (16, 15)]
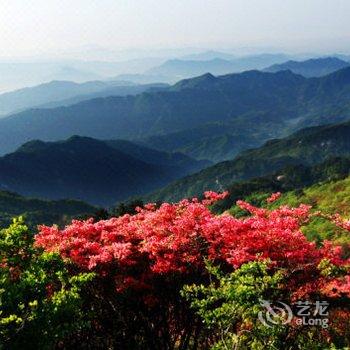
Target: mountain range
[(208, 55), (159, 142), (307, 147), (246, 109), (94, 171), (65, 93), (214, 63), (315, 67), (17, 73)]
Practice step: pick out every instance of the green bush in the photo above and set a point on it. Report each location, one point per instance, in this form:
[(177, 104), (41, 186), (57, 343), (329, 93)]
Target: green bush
[(231, 307), (40, 299)]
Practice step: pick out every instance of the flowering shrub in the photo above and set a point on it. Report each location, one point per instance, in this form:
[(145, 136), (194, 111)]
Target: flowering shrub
[(274, 197), (151, 255), (177, 238), (170, 239)]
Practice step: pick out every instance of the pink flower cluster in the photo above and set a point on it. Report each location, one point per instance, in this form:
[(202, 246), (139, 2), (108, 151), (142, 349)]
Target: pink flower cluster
[(274, 197)]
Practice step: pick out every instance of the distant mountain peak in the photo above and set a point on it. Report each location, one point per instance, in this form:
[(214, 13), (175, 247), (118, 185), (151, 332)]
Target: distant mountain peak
[(314, 67), (197, 82), (208, 54), (32, 146), (207, 76), (329, 59), (78, 138)]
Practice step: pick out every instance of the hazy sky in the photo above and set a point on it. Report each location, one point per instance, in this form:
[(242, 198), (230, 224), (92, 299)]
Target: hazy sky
[(40, 26)]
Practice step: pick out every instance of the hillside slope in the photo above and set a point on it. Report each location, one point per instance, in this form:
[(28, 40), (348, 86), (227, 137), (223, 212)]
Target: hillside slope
[(308, 146), (325, 187), (37, 211), (290, 178), (330, 197)]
